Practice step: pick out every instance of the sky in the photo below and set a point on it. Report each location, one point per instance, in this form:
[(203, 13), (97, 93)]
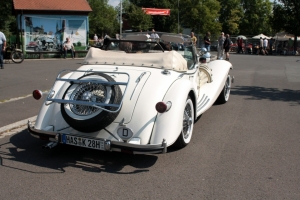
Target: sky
[(114, 3)]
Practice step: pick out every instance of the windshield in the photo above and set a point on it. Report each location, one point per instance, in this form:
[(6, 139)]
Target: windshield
[(139, 43)]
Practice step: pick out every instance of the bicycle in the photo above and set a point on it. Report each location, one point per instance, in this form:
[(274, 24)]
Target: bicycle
[(14, 54)]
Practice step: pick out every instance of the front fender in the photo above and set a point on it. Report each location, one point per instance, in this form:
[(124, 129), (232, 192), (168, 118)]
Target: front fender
[(168, 125)]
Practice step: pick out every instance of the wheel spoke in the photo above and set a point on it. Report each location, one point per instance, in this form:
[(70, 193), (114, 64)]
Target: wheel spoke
[(87, 92)]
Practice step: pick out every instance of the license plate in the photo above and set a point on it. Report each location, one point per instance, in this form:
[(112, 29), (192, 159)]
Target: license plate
[(83, 142)]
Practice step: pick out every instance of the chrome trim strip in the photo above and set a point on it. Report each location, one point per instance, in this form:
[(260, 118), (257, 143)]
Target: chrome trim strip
[(198, 109), (91, 81), (137, 83), (202, 101)]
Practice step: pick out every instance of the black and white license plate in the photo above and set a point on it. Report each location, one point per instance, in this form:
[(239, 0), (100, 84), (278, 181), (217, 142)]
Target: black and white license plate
[(82, 142)]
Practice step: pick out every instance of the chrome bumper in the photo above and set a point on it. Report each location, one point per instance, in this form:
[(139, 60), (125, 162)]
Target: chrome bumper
[(117, 146)]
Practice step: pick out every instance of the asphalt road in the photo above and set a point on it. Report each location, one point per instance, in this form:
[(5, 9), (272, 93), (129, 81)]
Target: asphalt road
[(248, 148)]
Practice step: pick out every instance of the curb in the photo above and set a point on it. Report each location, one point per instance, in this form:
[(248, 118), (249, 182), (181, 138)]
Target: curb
[(5, 130)]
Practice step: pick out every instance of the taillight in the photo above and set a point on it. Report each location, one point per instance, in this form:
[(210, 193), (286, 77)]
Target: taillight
[(162, 107), (37, 94)]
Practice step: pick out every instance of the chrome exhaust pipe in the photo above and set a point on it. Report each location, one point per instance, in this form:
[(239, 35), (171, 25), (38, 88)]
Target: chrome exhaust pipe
[(50, 145)]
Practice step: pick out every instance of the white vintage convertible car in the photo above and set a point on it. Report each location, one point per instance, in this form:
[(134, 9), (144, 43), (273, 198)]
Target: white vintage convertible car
[(132, 95)]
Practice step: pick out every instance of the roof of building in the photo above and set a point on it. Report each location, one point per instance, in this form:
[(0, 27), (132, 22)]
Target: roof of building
[(52, 5)]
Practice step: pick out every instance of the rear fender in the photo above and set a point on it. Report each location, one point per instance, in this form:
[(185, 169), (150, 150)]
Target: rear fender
[(50, 112), (168, 125)]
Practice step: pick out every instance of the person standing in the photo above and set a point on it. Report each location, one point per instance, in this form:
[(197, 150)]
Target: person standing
[(207, 41), (226, 46), (68, 46), (2, 48), (265, 45), (271, 46), (261, 44), (95, 39), (240, 45), (221, 40), (194, 39)]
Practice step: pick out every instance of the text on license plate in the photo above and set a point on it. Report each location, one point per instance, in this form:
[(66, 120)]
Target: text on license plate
[(83, 142)]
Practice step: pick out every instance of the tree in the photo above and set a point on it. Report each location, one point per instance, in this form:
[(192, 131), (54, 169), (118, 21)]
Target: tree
[(286, 16), (8, 23), (256, 17), (103, 19), (160, 23), (138, 19), (201, 16), (135, 16), (231, 14)]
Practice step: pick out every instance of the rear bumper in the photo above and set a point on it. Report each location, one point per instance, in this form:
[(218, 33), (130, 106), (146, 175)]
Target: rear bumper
[(118, 146)]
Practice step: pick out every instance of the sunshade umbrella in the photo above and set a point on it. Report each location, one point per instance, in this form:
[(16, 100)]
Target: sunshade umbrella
[(241, 36), (260, 36)]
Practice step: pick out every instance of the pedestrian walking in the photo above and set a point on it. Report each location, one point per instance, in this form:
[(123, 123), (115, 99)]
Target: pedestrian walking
[(226, 46), (207, 41), (221, 40), (2, 48)]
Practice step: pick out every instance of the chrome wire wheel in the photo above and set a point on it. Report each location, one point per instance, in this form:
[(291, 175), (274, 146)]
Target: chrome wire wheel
[(187, 125), (224, 95), (89, 92), (88, 118), (227, 88)]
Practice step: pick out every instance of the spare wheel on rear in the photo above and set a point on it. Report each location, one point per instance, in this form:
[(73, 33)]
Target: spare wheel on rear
[(88, 118)]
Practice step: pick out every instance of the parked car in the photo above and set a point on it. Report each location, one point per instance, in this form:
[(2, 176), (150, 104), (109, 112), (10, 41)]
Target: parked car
[(133, 95)]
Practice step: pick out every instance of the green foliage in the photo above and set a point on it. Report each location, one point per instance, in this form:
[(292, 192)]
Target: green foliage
[(138, 19), (134, 16), (247, 17), (286, 16), (8, 23), (201, 16), (231, 14), (103, 18), (256, 17), (160, 23)]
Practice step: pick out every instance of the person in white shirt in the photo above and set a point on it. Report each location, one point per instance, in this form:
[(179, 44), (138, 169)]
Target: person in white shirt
[(154, 35), (2, 48), (68, 46), (221, 40), (95, 39), (265, 43)]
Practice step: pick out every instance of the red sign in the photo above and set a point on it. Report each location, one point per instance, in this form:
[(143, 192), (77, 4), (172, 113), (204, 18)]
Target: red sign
[(156, 11)]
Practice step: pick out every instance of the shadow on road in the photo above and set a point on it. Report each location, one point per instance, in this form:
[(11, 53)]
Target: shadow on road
[(272, 94), (26, 149)]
